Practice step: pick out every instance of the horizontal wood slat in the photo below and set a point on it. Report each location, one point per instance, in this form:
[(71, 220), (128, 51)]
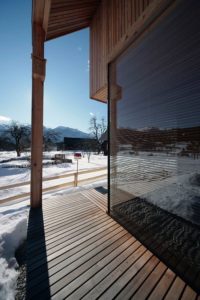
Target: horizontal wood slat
[(69, 16), (58, 186), (83, 253)]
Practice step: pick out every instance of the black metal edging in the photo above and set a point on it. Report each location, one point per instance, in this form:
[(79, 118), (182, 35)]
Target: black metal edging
[(108, 131)]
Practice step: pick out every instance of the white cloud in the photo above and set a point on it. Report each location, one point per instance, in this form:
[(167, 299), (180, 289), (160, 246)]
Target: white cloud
[(4, 119), (79, 49), (91, 114)]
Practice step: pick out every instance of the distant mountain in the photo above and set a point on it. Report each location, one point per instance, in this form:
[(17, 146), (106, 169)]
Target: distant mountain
[(3, 127), (60, 131), (69, 132)]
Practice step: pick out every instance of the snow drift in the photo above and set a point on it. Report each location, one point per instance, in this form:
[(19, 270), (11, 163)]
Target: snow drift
[(13, 230)]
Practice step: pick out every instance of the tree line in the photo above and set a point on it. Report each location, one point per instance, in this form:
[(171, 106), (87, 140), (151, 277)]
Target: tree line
[(17, 136)]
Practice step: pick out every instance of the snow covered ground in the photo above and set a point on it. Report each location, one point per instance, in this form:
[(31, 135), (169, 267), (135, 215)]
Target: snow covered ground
[(13, 217), (13, 231), (170, 182), (13, 227), (10, 173)]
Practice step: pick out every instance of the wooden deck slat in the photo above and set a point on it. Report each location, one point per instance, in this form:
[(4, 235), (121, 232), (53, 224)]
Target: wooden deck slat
[(103, 279), (70, 273), (72, 235), (71, 217), (176, 290), (162, 287), (50, 223), (61, 215), (103, 267), (62, 210), (63, 204), (68, 244), (59, 227), (66, 230), (59, 203), (85, 260), (76, 251), (107, 245), (71, 250), (76, 223), (112, 284), (189, 294), (136, 281), (68, 236), (150, 282), (97, 198), (73, 220), (66, 217), (57, 265)]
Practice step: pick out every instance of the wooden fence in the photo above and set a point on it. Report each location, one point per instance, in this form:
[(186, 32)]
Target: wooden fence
[(74, 183)]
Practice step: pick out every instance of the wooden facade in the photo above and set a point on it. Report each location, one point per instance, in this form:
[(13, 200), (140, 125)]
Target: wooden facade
[(110, 25), (114, 24), (68, 16)]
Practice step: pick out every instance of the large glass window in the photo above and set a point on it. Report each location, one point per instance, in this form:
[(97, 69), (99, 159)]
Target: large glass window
[(155, 140)]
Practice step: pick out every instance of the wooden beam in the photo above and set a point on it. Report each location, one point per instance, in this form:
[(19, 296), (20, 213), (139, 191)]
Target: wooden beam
[(47, 7), (38, 11), (38, 76)]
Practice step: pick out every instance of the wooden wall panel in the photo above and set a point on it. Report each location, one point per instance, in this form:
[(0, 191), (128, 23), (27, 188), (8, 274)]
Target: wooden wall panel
[(99, 53), (113, 27), (66, 16)]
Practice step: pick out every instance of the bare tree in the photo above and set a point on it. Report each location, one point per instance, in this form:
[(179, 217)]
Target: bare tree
[(50, 137), (6, 143), (20, 135), (97, 129), (89, 146)]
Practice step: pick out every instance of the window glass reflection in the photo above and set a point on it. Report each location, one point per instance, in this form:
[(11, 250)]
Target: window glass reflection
[(155, 135)]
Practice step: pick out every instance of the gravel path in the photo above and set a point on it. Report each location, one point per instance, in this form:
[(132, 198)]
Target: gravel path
[(21, 281)]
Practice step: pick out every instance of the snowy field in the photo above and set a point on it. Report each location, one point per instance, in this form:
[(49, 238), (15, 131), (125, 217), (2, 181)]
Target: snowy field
[(170, 182), (11, 171), (13, 217)]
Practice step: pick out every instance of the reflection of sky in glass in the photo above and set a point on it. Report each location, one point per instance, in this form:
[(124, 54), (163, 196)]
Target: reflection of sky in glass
[(160, 87)]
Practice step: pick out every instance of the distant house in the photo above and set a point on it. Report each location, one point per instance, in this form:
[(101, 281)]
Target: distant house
[(85, 144)]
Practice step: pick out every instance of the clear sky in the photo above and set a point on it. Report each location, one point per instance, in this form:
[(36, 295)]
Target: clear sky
[(66, 99)]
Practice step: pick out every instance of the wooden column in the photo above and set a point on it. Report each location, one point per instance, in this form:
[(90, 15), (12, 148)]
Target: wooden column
[(38, 76), (115, 94)]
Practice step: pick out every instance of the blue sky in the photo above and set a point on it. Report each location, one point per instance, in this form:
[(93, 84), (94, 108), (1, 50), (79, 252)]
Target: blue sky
[(66, 98)]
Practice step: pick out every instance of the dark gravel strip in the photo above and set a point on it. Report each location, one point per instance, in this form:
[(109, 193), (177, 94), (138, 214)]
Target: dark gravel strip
[(21, 280)]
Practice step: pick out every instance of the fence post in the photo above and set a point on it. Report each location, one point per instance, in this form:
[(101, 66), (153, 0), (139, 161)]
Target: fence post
[(75, 179)]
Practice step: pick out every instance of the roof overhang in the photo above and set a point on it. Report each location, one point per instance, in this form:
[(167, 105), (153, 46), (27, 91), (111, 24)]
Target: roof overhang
[(61, 17)]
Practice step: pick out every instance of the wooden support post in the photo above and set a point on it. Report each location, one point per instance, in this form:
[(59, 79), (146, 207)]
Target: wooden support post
[(115, 94), (38, 76), (75, 179)]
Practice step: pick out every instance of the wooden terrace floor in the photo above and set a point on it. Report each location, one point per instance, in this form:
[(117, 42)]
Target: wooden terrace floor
[(76, 251)]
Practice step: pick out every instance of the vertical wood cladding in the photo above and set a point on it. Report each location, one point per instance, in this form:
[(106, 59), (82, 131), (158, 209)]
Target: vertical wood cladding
[(110, 24)]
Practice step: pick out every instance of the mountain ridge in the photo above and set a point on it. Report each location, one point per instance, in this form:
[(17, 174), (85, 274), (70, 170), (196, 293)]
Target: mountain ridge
[(63, 131)]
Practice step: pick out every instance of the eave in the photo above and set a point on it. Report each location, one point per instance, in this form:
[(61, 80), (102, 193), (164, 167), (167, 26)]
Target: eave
[(61, 17)]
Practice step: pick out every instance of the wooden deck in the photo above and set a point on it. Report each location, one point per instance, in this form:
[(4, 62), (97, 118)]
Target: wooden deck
[(76, 251)]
